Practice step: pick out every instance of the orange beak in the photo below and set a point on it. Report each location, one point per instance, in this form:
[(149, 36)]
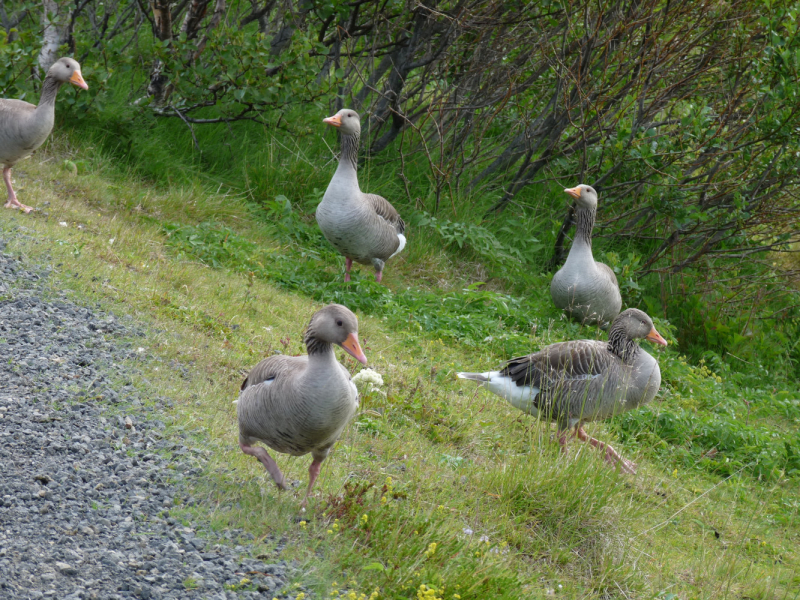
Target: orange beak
[(336, 121), (352, 347), (574, 192), (655, 337), (77, 79)]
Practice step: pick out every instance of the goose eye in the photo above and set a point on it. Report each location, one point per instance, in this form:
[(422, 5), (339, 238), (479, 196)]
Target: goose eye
[(339, 322)]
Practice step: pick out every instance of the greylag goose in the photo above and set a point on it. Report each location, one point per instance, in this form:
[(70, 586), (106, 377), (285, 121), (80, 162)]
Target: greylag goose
[(586, 289), (364, 227), (301, 404), (574, 382), (24, 127)]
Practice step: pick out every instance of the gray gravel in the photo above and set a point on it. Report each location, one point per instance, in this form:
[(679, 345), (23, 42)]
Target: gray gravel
[(88, 469)]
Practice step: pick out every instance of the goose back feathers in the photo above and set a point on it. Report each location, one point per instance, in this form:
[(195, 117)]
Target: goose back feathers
[(584, 288), (365, 228), (301, 404)]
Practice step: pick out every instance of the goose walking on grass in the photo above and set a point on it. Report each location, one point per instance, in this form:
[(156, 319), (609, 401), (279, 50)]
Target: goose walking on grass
[(364, 227), (574, 382), (301, 404), (586, 289), (24, 127)]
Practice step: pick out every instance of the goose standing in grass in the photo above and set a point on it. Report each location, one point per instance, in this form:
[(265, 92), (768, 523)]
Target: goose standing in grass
[(24, 127), (586, 289), (301, 404), (574, 382), (364, 227)]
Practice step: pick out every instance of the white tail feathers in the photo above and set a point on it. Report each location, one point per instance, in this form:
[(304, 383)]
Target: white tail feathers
[(481, 377), (402, 245)]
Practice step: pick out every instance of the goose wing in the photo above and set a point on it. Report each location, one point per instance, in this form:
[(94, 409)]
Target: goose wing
[(558, 367), (608, 273), (386, 211), (273, 368)]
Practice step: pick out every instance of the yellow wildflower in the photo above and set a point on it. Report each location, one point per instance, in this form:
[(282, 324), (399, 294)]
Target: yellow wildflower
[(302, 524), (431, 549), (364, 519)]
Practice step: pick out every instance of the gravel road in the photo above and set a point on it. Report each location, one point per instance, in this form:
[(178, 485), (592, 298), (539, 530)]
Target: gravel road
[(88, 469)]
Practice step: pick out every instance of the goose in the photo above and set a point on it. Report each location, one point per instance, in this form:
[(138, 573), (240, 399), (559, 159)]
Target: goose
[(301, 404), (24, 127), (366, 228), (586, 289), (578, 381)]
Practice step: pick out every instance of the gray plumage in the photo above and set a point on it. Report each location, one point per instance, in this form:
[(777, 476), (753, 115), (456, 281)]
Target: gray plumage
[(575, 382), (24, 127), (584, 288), (365, 228), (301, 404)]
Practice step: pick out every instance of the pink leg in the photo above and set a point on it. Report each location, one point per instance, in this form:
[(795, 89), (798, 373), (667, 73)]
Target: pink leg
[(269, 464), (313, 473), (12, 197), (348, 264), (612, 457), (563, 436), (378, 276)]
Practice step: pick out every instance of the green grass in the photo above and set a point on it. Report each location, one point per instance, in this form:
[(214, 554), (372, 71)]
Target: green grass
[(221, 281)]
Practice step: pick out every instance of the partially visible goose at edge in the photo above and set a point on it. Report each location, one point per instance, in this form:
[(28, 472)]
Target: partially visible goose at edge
[(24, 127), (364, 227), (301, 404), (584, 288), (574, 382)]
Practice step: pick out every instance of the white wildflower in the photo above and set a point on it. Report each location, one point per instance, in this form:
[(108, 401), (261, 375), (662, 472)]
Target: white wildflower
[(467, 531), (368, 381), (62, 223)]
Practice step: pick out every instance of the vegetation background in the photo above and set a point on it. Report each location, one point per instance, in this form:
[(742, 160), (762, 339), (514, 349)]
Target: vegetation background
[(196, 160)]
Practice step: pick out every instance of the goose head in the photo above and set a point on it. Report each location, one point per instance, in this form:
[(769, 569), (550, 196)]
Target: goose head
[(346, 120), (635, 324), (336, 324), (585, 195), (67, 70)]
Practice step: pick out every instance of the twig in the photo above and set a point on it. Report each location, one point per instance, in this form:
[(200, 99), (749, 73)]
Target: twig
[(189, 125)]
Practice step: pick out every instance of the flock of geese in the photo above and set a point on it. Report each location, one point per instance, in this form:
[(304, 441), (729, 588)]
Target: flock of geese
[(301, 404)]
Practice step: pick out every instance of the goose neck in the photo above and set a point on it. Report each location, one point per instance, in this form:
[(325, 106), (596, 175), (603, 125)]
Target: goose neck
[(621, 345), (584, 224), (320, 353), (348, 159), (49, 91)]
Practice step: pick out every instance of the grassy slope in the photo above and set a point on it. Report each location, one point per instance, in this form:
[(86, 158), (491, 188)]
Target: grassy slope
[(440, 458)]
